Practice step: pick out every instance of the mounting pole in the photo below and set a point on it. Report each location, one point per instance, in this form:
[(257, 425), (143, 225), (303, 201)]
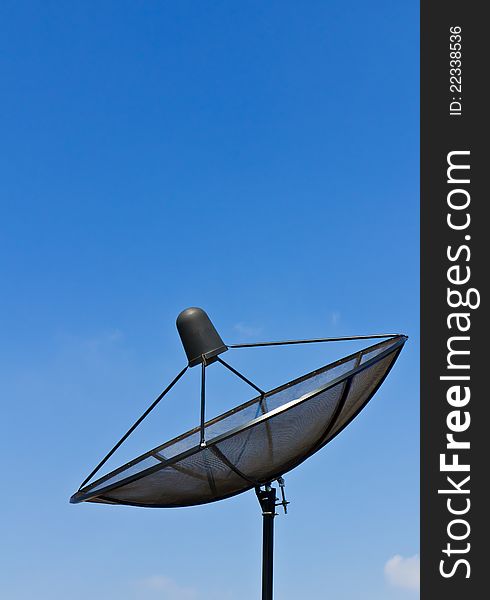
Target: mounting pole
[(267, 500)]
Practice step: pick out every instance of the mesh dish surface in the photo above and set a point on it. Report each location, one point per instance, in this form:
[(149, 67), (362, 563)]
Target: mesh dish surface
[(254, 443)]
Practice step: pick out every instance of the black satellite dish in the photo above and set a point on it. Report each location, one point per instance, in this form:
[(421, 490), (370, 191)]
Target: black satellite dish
[(254, 444)]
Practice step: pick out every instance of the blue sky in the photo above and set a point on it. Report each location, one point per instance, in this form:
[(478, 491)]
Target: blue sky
[(258, 159)]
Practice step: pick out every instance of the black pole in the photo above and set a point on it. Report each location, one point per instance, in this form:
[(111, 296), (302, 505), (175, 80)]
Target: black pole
[(267, 499)]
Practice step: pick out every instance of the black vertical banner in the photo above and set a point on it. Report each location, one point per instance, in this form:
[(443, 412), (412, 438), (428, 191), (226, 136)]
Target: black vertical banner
[(455, 259)]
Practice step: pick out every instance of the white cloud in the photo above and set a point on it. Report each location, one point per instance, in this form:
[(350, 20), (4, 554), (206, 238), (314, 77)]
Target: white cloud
[(165, 588), (334, 317), (403, 572), (104, 339), (247, 330)]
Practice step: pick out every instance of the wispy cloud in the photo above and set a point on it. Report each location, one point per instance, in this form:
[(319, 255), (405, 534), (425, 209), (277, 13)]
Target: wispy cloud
[(105, 338), (334, 317), (403, 572), (247, 331), (94, 349), (165, 588)]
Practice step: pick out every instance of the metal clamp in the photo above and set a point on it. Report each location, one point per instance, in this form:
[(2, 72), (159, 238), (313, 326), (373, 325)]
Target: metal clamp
[(284, 503)]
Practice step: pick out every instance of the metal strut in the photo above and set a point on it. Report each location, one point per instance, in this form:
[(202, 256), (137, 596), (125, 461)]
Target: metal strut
[(202, 440), (204, 365), (349, 338), (133, 427), (241, 376)]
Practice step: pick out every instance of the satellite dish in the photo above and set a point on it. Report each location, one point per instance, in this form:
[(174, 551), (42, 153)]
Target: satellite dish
[(252, 445)]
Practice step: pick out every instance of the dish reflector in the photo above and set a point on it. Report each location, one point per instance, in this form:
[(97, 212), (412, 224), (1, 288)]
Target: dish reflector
[(254, 443)]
